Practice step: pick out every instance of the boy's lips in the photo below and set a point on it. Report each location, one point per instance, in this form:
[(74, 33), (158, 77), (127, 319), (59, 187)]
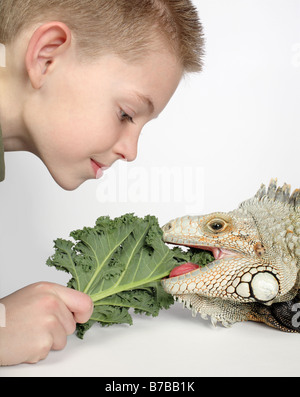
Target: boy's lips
[(98, 168)]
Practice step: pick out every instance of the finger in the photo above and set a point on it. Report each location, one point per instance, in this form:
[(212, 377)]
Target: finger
[(80, 304), (59, 336), (66, 317), (42, 352)]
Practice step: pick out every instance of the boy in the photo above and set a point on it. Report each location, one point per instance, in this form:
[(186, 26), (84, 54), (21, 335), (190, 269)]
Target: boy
[(81, 80)]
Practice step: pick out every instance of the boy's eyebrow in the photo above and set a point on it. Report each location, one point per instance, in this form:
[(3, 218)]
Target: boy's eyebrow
[(147, 101)]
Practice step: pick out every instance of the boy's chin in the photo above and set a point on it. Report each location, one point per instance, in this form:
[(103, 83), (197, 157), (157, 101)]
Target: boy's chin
[(68, 184), (70, 188)]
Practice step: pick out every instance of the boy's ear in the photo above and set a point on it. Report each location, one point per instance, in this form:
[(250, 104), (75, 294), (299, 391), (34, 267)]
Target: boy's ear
[(47, 43)]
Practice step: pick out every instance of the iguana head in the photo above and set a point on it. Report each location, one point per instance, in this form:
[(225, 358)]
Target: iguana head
[(257, 256)]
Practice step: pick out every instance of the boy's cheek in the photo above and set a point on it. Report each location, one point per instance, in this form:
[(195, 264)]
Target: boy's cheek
[(66, 170)]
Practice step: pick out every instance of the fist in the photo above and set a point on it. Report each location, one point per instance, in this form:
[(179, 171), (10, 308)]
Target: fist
[(38, 319)]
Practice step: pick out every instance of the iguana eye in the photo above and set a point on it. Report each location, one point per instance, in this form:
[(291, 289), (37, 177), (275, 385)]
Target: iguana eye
[(217, 225)]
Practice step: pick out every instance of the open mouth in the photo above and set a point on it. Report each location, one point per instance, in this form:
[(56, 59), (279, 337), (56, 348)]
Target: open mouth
[(216, 255)]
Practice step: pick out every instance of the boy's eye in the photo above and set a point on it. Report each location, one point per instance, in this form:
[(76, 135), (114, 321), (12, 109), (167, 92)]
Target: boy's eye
[(125, 117)]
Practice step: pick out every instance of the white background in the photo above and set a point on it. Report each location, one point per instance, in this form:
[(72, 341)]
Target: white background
[(226, 131)]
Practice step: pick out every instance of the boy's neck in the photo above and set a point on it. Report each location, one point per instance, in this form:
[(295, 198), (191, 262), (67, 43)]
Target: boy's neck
[(13, 129)]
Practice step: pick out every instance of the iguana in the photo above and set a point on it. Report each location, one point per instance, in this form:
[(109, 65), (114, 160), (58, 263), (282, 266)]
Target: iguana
[(255, 275)]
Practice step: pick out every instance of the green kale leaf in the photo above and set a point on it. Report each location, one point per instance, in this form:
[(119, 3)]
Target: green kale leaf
[(119, 263)]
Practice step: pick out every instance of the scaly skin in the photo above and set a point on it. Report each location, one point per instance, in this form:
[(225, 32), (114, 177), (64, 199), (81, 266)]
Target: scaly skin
[(257, 257)]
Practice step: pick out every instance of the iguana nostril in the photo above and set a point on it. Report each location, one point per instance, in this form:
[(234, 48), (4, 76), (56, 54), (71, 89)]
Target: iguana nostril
[(264, 286), (167, 227)]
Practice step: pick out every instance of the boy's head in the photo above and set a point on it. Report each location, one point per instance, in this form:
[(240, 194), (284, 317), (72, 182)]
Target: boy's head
[(98, 71), (126, 27)]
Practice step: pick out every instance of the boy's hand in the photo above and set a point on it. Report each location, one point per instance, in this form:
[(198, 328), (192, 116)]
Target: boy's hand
[(38, 319)]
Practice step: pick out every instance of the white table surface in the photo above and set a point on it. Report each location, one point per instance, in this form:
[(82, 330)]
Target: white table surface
[(172, 344)]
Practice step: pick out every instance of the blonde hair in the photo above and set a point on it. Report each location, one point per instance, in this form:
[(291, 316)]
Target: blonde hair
[(125, 27)]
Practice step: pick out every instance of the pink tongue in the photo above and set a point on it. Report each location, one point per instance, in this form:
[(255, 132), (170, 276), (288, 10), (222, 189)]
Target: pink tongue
[(183, 269)]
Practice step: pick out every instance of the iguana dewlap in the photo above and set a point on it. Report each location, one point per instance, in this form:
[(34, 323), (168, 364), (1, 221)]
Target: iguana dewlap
[(255, 274)]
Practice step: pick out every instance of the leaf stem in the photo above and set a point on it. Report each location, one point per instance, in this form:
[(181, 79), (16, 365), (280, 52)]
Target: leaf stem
[(126, 287)]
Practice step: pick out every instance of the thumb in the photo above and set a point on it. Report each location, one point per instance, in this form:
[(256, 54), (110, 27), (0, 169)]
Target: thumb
[(80, 304)]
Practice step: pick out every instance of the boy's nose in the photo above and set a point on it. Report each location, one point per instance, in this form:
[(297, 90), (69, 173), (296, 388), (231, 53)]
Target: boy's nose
[(131, 153), (128, 147)]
